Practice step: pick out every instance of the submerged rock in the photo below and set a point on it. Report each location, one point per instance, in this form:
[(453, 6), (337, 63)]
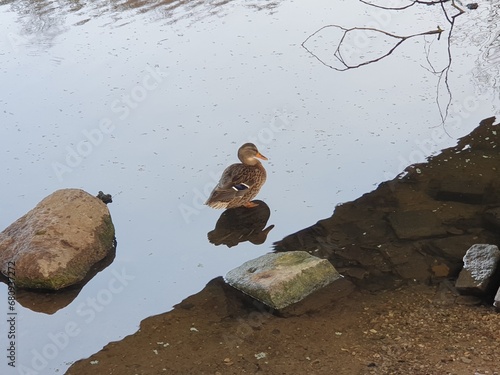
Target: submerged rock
[(279, 280), (458, 189), (492, 217), (55, 244), (416, 224), (480, 263), (426, 216)]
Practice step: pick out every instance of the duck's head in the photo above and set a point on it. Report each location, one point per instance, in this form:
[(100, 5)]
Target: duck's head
[(248, 154)]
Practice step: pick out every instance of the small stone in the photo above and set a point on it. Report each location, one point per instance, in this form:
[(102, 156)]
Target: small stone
[(281, 279), (441, 270), (466, 360), (260, 355), (480, 263)]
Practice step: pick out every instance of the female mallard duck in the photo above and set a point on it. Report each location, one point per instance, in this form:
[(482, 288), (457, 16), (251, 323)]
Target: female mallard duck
[(240, 182)]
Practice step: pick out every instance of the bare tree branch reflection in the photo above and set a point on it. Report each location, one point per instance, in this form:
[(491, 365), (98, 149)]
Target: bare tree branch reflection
[(405, 6), (338, 53), (442, 74)]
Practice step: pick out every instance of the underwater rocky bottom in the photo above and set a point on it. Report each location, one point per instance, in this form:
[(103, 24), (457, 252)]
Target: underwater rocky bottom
[(400, 248)]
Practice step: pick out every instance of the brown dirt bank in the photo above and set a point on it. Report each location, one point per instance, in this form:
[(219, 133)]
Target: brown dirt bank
[(414, 330), (396, 312)]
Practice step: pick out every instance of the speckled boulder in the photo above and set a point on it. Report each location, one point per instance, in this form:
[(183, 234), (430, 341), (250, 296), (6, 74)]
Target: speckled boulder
[(279, 280), (480, 263), (55, 244)]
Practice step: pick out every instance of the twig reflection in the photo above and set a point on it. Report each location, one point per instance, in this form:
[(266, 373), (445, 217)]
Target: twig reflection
[(442, 74)]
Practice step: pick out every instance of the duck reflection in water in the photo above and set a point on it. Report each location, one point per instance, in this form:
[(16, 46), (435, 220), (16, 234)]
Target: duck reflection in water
[(242, 224)]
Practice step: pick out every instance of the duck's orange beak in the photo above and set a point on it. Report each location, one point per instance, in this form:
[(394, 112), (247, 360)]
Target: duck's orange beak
[(260, 156)]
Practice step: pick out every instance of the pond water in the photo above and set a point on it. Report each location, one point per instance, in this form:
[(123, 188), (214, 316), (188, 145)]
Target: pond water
[(149, 101)]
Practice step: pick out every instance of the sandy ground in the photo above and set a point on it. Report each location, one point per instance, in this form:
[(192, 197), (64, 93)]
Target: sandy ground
[(416, 329)]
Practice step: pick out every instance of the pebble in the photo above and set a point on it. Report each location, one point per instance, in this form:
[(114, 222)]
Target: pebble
[(260, 355)]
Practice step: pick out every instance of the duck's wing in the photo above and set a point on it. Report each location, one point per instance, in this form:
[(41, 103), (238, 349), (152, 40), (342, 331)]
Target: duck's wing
[(235, 182), (237, 177)]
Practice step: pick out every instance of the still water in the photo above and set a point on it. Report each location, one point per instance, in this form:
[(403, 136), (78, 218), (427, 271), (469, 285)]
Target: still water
[(149, 101)]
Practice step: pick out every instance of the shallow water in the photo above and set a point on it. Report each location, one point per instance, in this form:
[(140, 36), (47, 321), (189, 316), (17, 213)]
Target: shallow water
[(149, 102)]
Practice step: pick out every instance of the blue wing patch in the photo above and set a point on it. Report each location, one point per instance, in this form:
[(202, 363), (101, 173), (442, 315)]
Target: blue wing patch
[(240, 187)]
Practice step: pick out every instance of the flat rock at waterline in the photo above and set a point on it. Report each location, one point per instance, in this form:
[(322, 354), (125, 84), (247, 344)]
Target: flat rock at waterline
[(480, 263), (279, 280), (56, 243)]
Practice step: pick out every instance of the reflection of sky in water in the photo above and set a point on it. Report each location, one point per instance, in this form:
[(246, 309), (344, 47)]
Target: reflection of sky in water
[(221, 76)]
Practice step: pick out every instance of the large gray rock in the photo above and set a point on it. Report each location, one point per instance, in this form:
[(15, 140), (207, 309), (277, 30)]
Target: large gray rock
[(279, 280), (55, 244), (480, 263)]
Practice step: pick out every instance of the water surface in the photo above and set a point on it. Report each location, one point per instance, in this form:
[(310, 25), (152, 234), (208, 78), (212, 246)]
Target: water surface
[(150, 101)]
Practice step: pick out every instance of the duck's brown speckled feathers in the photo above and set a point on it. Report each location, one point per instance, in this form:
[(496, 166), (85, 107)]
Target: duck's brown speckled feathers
[(240, 182)]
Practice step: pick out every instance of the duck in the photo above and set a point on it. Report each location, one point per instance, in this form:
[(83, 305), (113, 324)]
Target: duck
[(240, 182)]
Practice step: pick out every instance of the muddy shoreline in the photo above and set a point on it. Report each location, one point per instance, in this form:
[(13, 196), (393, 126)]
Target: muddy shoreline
[(400, 249)]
